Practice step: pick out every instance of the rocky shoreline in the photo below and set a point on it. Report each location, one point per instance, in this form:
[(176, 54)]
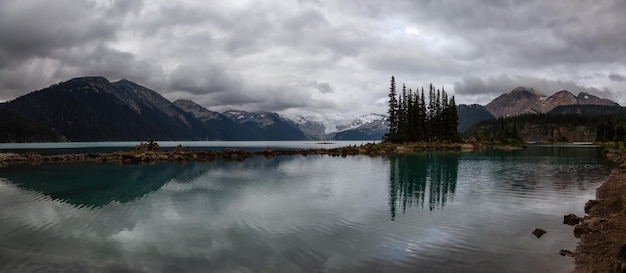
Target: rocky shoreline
[(151, 153), (602, 232)]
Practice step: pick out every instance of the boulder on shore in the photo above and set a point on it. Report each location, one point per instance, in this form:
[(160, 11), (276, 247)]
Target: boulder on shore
[(571, 219), (590, 204)]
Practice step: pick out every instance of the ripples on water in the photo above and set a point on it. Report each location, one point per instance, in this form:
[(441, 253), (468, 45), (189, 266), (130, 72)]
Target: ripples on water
[(441, 212)]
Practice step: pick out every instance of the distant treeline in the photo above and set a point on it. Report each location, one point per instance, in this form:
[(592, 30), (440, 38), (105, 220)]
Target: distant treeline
[(413, 119), (608, 126)]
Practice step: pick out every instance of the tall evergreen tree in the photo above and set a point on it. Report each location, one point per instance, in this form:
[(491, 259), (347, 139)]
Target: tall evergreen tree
[(437, 121), (403, 127), (432, 112), (417, 126), (444, 99), (453, 122), (423, 135), (444, 116), (411, 116), (392, 117)]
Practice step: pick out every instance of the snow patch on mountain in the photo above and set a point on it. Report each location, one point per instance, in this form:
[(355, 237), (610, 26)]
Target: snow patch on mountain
[(333, 123)]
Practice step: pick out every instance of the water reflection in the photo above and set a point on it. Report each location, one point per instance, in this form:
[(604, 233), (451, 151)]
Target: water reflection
[(298, 214), (415, 179), (96, 185)]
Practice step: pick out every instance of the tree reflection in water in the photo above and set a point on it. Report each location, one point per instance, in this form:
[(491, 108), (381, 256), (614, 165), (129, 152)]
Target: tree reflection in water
[(415, 179)]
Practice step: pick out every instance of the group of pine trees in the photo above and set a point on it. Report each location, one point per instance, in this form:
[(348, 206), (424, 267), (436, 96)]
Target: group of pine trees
[(610, 126), (611, 130), (411, 119), (501, 130)]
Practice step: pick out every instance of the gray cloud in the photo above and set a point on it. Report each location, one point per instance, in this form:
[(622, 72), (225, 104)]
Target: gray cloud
[(503, 83), (324, 87), (201, 78), (272, 54), (529, 33), (617, 77), (43, 40), (266, 97), (37, 28)]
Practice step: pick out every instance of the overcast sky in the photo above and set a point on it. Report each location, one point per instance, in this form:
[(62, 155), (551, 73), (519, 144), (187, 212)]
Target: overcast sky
[(316, 55)]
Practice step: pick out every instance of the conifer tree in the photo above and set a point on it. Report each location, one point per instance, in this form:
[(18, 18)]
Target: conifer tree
[(423, 135), (411, 116), (403, 127), (453, 122), (392, 118), (437, 122), (432, 112)]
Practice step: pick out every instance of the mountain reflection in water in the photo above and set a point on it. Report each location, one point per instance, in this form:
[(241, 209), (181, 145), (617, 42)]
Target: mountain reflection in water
[(95, 185), (431, 212)]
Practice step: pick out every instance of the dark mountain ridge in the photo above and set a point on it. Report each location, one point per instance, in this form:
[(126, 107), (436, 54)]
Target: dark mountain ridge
[(470, 115), (224, 128), (524, 100), (563, 124), (94, 109)]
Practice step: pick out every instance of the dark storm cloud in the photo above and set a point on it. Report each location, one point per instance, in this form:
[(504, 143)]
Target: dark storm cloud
[(37, 35), (504, 83), (203, 78), (529, 33), (103, 60), (170, 15), (617, 77), (252, 54), (36, 28), (275, 98)]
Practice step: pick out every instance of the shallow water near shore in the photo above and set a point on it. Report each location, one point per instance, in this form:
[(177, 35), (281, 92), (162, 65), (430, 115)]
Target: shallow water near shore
[(430, 212)]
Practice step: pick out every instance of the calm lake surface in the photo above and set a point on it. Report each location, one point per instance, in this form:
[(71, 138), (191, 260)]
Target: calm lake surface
[(430, 212)]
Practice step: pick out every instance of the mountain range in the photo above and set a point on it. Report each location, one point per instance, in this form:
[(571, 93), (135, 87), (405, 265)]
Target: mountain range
[(94, 109), (523, 100)]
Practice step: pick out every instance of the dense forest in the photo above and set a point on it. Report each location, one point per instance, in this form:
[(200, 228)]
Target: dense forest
[(607, 126), (412, 119), (15, 128)]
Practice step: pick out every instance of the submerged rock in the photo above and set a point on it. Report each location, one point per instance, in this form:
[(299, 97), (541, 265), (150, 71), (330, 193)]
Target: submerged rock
[(539, 232)]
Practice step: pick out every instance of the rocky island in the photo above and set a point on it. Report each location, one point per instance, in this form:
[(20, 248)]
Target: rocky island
[(150, 152)]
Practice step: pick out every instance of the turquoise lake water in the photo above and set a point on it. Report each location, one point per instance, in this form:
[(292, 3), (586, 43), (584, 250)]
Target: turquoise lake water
[(430, 212)]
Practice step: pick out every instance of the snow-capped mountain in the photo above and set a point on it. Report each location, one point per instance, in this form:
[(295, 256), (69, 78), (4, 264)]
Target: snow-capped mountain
[(263, 119), (329, 126), (522, 100), (267, 124)]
